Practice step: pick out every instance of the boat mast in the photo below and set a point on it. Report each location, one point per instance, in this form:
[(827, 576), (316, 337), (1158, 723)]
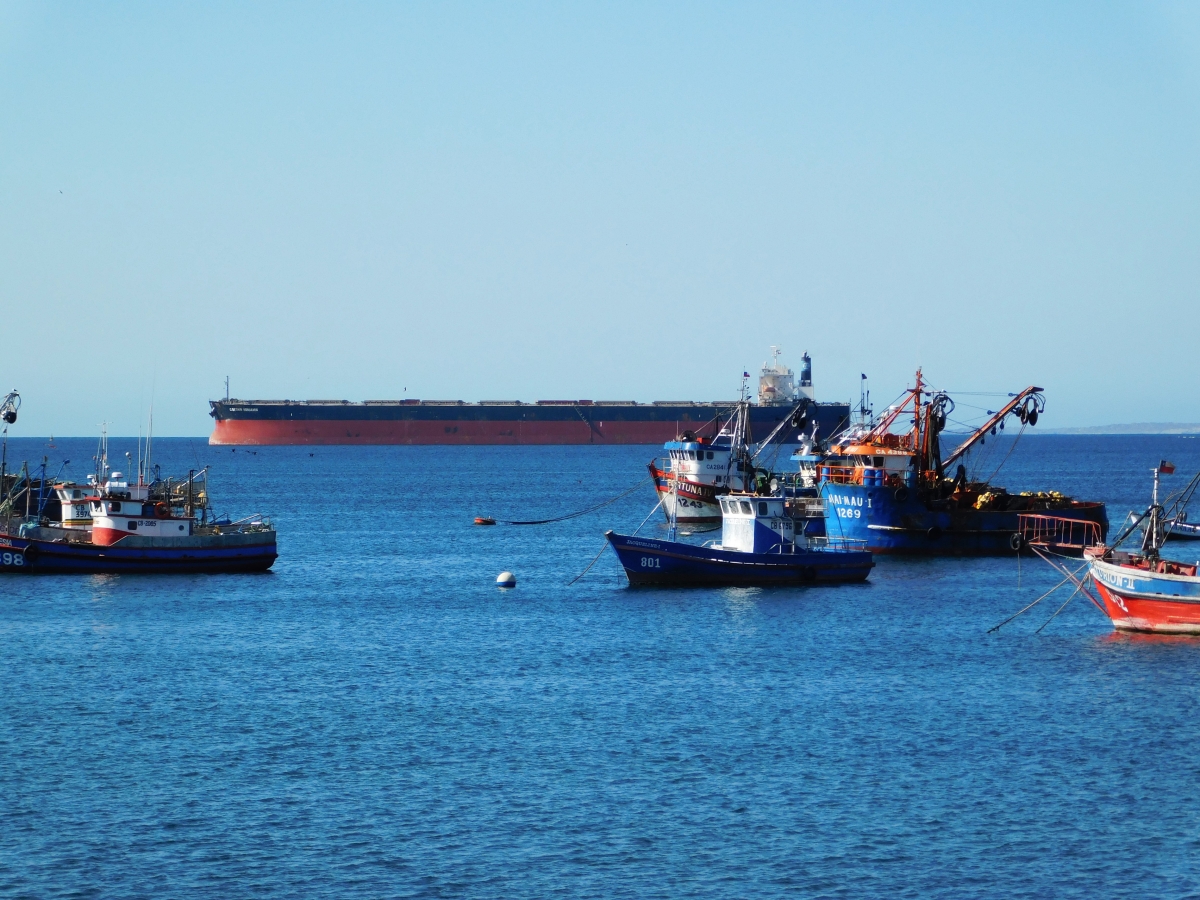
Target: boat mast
[(8, 414), (1152, 540), (919, 433)]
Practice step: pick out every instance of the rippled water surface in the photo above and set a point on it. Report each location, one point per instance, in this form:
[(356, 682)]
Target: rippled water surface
[(376, 719)]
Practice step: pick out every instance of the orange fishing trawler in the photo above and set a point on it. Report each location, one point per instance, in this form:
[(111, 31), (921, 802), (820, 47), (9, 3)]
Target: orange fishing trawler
[(893, 489)]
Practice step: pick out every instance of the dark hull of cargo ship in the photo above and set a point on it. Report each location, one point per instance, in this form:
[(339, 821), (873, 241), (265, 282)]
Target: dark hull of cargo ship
[(257, 423)]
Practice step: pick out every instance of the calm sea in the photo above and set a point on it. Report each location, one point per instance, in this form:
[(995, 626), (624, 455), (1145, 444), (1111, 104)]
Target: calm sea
[(376, 719)]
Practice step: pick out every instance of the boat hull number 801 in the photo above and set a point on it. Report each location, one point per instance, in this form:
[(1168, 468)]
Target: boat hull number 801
[(650, 562)]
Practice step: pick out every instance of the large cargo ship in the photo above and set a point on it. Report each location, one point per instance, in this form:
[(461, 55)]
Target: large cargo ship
[(262, 422)]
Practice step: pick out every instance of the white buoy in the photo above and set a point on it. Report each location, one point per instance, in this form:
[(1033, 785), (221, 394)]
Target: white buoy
[(506, 579)]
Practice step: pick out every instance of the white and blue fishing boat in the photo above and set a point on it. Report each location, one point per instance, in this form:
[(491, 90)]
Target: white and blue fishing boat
[(699, 467), (760, 545)]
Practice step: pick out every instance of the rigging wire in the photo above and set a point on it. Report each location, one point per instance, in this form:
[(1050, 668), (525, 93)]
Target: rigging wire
[(1016, 440)]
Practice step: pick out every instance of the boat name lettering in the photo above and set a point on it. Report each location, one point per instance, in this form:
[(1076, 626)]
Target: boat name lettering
[(845, 500), (1118, 581)]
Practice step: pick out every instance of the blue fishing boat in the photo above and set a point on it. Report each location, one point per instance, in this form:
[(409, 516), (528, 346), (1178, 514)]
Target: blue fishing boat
[(759, 545), (114, 525), (893, 491), (232, 550)]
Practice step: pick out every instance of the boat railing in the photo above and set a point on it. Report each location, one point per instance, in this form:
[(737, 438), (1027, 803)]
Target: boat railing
[(806, 507), (1057, 533), (837, 543), (246, 525), (840, 474)]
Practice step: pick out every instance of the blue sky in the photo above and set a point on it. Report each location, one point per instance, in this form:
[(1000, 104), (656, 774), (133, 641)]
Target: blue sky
[(615, 201)]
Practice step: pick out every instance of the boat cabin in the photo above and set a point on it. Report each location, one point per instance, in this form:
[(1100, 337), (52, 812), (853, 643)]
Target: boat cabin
[(703, 461), (752, 524), (114, 519)]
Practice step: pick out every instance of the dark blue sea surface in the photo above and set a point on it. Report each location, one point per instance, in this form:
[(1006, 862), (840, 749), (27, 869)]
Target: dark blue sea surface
[(376, 719)]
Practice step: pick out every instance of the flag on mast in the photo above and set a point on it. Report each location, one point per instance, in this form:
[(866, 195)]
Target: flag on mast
[(1166, 468)]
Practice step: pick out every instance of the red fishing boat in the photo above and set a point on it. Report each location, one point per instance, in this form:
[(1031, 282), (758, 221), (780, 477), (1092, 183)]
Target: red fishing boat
[(1138, 591)]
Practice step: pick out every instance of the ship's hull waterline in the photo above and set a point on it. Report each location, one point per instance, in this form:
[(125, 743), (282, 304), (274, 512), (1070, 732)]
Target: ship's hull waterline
[(888, 520), (224, 554)]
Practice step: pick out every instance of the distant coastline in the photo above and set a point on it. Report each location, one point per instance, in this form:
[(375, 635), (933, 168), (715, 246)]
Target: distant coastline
[(1181, 428), (1132, 428)]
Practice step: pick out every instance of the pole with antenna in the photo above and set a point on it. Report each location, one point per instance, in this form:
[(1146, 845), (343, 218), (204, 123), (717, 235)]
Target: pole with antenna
[(149, 438)]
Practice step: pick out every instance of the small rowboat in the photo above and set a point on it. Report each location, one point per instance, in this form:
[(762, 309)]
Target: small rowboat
[(1181, 530)]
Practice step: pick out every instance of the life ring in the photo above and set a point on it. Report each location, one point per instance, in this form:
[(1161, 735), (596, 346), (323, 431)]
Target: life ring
[(901, 494), (161, 510), (1016, 542)]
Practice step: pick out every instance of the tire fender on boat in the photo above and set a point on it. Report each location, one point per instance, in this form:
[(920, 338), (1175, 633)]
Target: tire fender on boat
[(934, 533), (901, 494), (161, 510), (1015, 541)]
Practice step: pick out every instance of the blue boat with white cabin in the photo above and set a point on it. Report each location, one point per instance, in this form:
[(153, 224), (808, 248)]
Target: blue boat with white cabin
[(760, 545)]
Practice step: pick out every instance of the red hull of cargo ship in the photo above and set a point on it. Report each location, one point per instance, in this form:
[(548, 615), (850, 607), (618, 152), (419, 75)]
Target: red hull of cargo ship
[(241, 432)]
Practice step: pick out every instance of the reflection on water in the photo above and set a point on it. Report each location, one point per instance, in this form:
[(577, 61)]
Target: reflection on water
[(1146, 639)]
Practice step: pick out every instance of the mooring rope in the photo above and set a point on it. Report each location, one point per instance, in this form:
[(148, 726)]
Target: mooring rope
[(648, 515), (589, 565), (605, 547), (582, 512), (1074, 593), (1038, 600)]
